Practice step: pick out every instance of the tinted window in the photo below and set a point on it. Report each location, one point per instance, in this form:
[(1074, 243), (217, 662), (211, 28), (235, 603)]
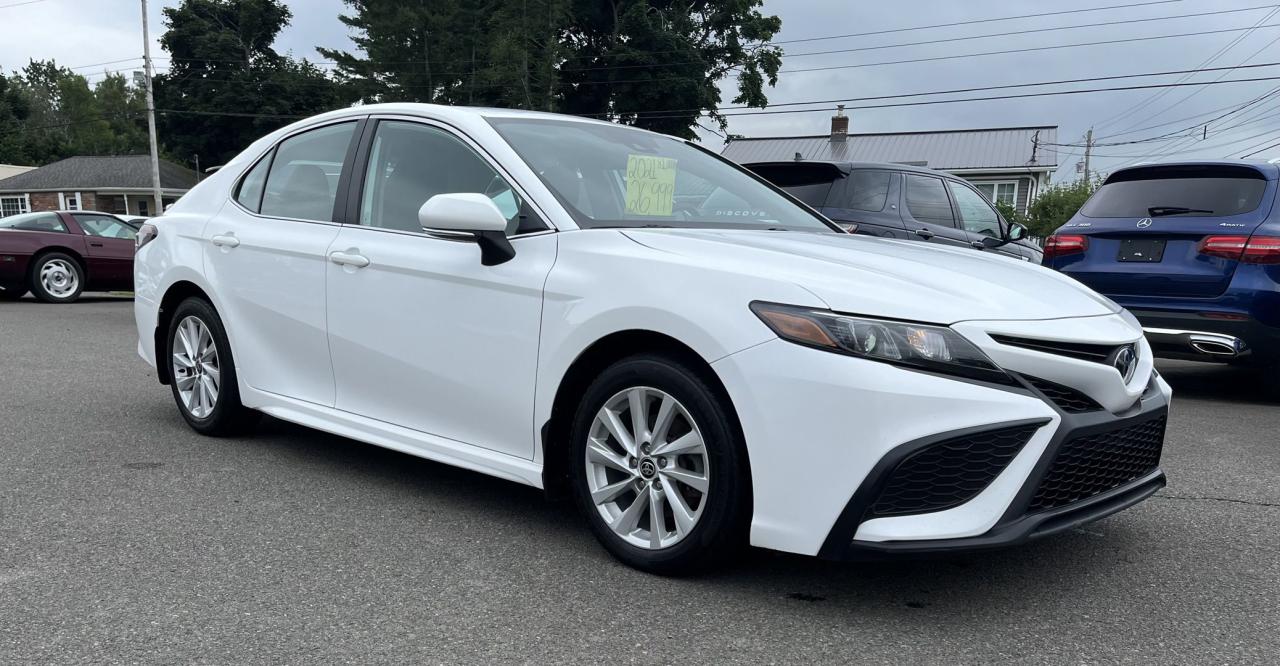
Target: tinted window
[(409, 163), (809, 183), (303, 180), (105, 226), (976, 214), (1204, 191), (612, 176), (34, 222), (862, 190), (249, 193), (927, 200)]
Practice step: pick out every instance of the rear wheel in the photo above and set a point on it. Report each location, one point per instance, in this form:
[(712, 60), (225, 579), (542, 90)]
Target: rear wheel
[(56, 278), (202, 373), (659, 469)]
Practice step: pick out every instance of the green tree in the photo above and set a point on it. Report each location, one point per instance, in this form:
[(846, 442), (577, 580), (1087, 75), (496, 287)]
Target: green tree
[(226, 86), (1054, 206), (618, 59)]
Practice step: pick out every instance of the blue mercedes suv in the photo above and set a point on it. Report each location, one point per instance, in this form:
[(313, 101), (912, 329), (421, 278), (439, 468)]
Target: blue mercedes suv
[(1192, 249)]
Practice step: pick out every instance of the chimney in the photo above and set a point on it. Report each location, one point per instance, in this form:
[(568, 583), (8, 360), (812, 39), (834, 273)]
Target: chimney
[(839, 125)]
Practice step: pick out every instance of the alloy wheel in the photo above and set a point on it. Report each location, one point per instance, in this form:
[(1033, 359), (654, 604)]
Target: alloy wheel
[(647, 467), (196, 371), (59, 278)]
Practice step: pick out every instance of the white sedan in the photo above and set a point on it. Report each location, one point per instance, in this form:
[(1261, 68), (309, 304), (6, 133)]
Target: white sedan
[(701, 361)]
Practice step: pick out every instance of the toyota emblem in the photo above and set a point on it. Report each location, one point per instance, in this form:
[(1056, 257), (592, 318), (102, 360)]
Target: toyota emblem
[(1125, 361)]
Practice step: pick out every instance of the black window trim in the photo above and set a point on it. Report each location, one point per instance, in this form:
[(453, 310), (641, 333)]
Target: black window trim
[(355, 188), (339, 200)]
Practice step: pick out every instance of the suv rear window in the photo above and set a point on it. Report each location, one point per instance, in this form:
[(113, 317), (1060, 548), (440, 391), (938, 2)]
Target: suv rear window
[(1200, 191), (806, 182)]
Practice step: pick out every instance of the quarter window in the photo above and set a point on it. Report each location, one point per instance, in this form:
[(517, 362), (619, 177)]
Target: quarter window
[(927, 200), (249, 194), (976, 214), (34, 222), (410, 162), (302, 182)]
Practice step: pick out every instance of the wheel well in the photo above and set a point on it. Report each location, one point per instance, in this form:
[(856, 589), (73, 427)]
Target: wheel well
[(584, 370), (35, 259), (178, 292)]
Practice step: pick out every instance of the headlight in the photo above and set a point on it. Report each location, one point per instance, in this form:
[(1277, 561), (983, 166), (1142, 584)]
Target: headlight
[(921, 346)]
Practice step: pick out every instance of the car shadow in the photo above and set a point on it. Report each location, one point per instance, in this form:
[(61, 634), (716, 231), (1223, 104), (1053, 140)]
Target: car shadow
[(1216, 381), (894, 586)]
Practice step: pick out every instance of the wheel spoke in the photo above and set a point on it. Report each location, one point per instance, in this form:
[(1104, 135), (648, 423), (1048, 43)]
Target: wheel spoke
[(183, 361), (695, 481), (611, 491), (666, 414), (210, 390), (618, 429), (599, 453), (657, 519), (636, 399), (683, 515), (185, 382), (689, 442), (626, 523), (211, 371)]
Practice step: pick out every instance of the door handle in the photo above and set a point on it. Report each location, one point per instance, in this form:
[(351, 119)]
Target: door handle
[(225, 241), (977, 245), (346, 259), (95, 244), (924, 233)]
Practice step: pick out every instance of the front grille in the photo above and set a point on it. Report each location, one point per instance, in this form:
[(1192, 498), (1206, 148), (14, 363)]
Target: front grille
[(950, 472), (1081, 350), (1066, 398), (1092, 464)]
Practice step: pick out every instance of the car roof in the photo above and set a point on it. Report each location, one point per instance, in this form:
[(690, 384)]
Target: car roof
[(846, 167), (1269, 169)]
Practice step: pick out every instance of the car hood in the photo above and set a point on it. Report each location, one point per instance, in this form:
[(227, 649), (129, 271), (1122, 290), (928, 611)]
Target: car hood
[(888, 278)]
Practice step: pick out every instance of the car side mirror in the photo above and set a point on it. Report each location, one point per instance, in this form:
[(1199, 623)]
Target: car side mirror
[(1016, 232), (470, 212)]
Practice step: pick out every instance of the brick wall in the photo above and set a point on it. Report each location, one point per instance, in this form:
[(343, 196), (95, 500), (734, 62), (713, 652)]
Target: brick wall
[(49, 201)]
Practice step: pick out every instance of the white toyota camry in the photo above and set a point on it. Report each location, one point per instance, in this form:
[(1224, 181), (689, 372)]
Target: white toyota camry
[(698, 359)]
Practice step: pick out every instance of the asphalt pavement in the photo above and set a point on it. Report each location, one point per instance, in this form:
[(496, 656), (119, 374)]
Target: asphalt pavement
[(127, 538)]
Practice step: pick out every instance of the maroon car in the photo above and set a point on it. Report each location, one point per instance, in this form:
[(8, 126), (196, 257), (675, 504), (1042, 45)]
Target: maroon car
[(58, 255)]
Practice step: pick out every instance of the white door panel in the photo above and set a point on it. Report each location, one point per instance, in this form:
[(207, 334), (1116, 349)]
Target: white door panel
[(427, 338), (271, 278)]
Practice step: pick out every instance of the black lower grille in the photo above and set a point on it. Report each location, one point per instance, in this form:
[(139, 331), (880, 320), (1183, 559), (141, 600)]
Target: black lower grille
[(1092, 464), (950, 472), (1066, 398)]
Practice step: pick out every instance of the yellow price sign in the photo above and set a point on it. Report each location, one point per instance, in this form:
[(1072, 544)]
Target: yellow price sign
[(651, 185)]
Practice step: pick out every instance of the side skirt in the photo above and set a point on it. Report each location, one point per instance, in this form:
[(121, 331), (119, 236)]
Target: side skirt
[(396, 438)]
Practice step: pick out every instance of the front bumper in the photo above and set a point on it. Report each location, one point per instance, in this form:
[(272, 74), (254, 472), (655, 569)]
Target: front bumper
[(821, 429)]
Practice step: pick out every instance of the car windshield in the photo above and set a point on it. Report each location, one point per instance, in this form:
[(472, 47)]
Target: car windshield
[(614, 176)]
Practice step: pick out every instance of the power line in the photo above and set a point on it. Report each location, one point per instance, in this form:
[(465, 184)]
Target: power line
[(1260, 150), (975, 21), (1024, 50), (109, 62), (653, 114), (19, 4), (1030, 31)]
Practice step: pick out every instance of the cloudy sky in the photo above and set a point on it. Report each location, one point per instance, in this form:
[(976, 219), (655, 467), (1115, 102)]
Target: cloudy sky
[(82, 33)]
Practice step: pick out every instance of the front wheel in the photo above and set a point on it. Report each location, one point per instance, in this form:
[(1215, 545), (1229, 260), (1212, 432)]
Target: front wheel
[(56, 278), (202, 373), (659, 468)]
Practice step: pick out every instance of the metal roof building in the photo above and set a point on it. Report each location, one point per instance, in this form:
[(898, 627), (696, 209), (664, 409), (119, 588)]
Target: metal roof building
[(1011, 164)]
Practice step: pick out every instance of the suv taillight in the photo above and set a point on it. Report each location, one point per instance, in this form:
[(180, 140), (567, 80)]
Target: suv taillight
[(1064, 244), (146, 234), (1256, 250)]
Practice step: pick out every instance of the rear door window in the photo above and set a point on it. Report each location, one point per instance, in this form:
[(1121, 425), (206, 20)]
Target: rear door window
[(303, 181), (863, 189), (927, 200), (1178, 192)]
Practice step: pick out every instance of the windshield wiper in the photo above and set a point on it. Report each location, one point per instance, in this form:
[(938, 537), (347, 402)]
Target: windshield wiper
[(1160, 211)]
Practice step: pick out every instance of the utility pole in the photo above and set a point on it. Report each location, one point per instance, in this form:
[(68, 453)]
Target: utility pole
[(151, 115), (1088, 148)]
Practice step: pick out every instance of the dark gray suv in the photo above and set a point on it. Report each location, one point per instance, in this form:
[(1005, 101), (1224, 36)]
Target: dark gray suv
[(899, 201)]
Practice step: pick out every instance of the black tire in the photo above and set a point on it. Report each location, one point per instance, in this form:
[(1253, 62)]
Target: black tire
[(70, 265), (12, 293), (720, 533), (228, 417)]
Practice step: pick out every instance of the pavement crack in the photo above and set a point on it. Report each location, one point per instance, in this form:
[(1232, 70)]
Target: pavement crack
[(1229, 500)]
